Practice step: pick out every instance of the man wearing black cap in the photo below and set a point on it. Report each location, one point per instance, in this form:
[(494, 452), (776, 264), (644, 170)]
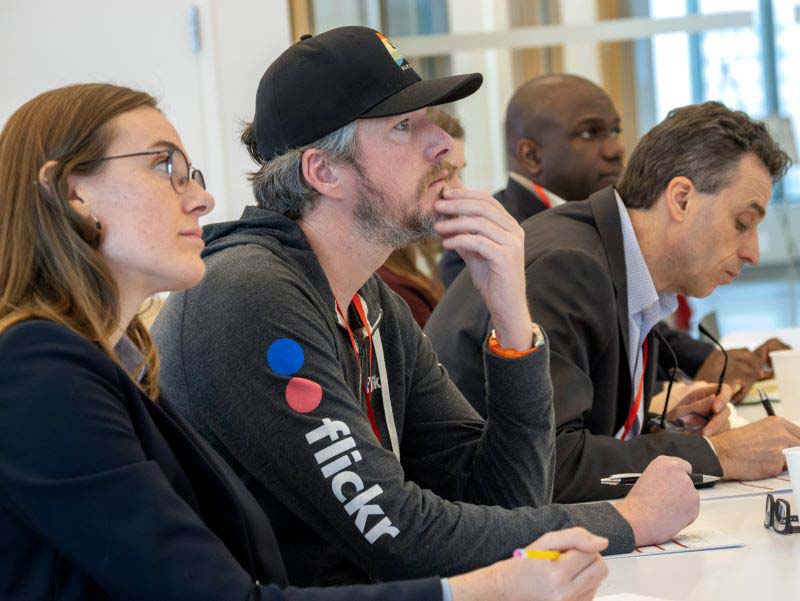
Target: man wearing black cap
[(310, 376)]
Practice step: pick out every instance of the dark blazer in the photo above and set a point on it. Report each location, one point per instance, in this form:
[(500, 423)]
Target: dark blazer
[(520, 202), (104, 494), (577, 291)]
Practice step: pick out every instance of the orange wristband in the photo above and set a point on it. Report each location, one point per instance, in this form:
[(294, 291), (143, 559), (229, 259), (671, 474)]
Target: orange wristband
[(495, 347)]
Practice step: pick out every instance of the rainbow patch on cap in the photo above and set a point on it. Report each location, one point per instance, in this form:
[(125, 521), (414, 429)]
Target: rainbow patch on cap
[(397, 57)]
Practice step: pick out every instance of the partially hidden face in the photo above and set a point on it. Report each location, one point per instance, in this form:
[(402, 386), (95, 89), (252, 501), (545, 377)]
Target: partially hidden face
[(403, 172), (581, 151), (151, 237), (722, 233)]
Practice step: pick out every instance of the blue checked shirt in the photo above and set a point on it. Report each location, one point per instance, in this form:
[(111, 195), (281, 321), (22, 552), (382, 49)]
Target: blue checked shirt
[(646, 306)]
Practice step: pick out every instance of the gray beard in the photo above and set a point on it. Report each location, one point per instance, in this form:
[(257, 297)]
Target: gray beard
[(378, 227)]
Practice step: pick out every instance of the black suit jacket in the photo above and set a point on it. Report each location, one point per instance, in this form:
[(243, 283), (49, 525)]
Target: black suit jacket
[(577, 290), (520, 202), (104, 494)]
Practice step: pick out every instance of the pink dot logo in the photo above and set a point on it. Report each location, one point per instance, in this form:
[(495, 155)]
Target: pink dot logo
[(303, 395)]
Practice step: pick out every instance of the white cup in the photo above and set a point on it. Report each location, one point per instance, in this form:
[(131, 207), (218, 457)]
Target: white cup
[(793, 462), (786, 365)]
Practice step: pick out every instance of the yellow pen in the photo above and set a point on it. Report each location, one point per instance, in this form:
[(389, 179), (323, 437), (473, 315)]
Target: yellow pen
[(531, 554)]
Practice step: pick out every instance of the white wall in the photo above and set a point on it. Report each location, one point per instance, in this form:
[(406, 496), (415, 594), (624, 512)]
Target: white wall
[(483, 113), (147, 44)]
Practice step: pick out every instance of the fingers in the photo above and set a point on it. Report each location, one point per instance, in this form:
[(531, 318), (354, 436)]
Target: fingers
[(477, 203), (739, 391), (571, 564), (699, 391), (792, 428), (469, 243), (720, 422), (588, 581), (773, 344), (475, 226), (570, 538), (743, 366), (723, 398), (667, 462), (702, 406), (696, 412), (703, 401)]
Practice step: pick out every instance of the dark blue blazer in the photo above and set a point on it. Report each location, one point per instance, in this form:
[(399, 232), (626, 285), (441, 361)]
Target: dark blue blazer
[(105, 494)]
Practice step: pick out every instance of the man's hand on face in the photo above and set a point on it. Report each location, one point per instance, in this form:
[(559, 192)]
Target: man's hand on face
[(701, 409), (492, 244), (753, 451), (662, 503)]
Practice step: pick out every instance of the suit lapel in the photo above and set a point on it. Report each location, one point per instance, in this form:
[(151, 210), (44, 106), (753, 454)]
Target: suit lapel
[(606, 215)]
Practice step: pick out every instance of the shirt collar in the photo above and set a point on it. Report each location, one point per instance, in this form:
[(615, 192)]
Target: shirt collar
[(642, 294), (526, 183)]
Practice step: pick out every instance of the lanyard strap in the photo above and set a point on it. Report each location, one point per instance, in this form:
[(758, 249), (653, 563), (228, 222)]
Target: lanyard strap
[(365, 385), (634, 410), (542, 195)]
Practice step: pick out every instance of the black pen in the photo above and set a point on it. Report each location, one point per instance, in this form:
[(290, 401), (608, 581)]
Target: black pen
[(630, 479), (765, 401)]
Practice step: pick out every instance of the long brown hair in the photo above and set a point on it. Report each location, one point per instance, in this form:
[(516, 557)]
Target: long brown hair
[(50, 266)]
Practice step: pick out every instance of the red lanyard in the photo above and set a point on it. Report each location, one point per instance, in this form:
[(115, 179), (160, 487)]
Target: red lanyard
[(542, 195), (634, 411), (365, 384)]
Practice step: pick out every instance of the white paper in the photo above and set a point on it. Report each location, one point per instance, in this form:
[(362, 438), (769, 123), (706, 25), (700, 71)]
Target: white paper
[(628, 597), (729, 489), (770, 388), (688, 541)]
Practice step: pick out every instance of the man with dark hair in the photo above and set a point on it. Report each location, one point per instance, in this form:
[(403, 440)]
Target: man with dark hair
[(310, 376), (602, 272), (562, 144)]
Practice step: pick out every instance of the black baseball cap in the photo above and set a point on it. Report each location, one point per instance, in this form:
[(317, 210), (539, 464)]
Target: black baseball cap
[(324, 82)]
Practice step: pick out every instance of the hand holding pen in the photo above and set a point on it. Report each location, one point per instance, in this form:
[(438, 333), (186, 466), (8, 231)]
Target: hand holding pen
[(574, 575)]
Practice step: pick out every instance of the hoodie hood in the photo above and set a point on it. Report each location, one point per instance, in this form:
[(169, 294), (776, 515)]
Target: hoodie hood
[(255, 226), (282, 236)]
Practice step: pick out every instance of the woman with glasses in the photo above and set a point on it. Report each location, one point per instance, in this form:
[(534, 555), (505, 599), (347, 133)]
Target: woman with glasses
[(105, 492)]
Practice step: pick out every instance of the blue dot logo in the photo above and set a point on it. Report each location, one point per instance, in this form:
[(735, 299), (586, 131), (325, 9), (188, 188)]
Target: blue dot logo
[(285, 357)]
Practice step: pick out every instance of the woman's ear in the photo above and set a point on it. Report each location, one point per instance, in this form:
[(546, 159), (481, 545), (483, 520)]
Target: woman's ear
[(46, 177)]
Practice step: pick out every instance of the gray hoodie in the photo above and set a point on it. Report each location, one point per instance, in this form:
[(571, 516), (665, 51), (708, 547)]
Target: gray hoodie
[(257, 360)]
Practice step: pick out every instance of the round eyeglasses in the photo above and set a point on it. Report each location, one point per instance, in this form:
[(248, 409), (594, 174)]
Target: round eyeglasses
[(178, 167), (778, 516)]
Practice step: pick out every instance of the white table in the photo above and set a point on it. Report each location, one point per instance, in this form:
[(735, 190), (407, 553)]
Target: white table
[(790, 409), (767, 567)]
